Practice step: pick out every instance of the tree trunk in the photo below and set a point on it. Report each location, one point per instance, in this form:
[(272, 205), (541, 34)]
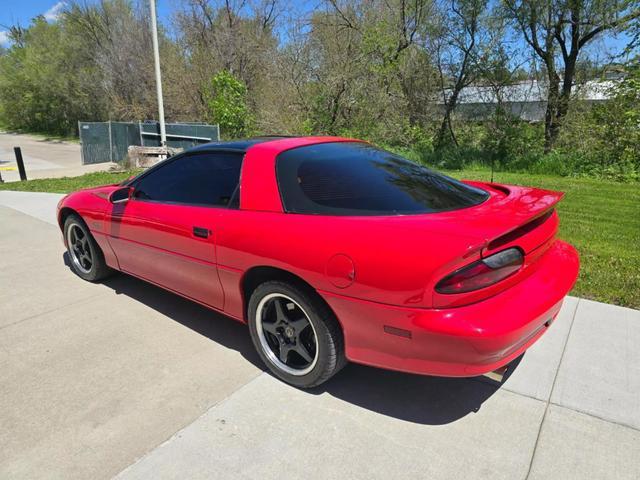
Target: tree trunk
[(445, 133), (558, 103), (551, 125), (561, 112)]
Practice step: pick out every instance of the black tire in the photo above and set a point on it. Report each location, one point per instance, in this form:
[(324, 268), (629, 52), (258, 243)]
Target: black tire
[(88, 262), (329, 341)]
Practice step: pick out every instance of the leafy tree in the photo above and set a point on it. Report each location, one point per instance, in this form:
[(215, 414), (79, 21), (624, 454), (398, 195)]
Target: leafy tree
[(45, 83), (227, 105), (459, 47), (558, 31), (367, 71), (620, 123), (391, 71), (232, 35), (116, 38)]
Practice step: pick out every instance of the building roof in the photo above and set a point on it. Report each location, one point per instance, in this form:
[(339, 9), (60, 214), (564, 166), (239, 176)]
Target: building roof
[(531, 91)]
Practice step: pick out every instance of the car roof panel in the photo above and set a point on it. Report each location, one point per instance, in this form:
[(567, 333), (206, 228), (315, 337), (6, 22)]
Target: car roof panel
[(240, 145)]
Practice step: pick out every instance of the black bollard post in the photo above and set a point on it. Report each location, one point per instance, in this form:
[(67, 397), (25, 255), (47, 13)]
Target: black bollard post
[(20, 162)]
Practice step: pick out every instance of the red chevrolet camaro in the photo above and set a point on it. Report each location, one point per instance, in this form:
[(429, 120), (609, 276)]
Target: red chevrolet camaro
[(333, 250)]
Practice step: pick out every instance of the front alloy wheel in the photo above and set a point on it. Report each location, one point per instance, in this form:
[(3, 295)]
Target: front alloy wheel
[(79, 250), (86, 257)]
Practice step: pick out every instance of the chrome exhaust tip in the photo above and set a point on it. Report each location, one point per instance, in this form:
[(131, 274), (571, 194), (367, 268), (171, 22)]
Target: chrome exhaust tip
[(498, 374)]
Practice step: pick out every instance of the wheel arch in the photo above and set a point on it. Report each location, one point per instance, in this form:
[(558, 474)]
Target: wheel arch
[(258, 275), (102, 246), (64, 214)]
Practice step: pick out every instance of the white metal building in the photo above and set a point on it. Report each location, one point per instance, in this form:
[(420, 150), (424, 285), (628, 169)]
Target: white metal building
[(526, 100)]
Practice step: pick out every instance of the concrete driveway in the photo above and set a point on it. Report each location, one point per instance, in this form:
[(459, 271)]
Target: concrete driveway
[(42, 158), (123, 379)]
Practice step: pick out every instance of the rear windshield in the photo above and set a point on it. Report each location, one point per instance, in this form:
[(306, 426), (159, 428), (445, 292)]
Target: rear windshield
[(349, 178)]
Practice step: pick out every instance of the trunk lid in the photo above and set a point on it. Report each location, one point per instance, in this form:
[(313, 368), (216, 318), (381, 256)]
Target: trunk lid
[(511, 216)]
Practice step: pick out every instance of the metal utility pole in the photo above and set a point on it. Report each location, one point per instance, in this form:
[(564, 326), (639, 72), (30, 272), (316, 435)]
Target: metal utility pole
[(156, 57)]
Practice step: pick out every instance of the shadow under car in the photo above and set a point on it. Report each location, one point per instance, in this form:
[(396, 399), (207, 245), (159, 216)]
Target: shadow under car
[(409, 397)]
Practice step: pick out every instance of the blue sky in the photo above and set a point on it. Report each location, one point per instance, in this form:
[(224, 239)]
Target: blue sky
[(17, 11), (21, 12)]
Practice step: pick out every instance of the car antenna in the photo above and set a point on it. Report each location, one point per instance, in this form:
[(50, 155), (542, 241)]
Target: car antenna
[(493, 160)]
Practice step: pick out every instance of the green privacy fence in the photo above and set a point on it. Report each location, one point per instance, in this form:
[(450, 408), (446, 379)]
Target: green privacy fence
[(109, 141)]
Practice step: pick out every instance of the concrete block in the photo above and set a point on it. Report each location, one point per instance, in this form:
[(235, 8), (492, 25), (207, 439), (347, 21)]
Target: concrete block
[(576, 446), (270, 430), (89, 388), (535, 373), (36, 204), (600, 371)]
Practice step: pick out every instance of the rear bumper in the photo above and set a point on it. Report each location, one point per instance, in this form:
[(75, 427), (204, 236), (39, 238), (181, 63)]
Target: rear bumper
[(464, 341)]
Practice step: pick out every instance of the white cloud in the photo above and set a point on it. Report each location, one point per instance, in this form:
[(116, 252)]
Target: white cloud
[(54, 12), (4, 38)]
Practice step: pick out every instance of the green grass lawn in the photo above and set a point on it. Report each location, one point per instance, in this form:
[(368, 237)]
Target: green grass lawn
[(68, 184), (601, 218)]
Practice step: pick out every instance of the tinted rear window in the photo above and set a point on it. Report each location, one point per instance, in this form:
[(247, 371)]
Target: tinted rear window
[(349, 178)]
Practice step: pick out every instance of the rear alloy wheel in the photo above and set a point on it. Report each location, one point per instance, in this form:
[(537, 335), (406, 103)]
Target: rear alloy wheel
[(295, 333), (86, 257)]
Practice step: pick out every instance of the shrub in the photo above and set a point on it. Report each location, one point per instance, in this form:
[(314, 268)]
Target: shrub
[(227, 105)]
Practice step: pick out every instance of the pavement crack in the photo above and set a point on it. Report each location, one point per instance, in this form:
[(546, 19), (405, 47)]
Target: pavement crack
[(181, 429), (597, 417), (553, 386), (46, 312)]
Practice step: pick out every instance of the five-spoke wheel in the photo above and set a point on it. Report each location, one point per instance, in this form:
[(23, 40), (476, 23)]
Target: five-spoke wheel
[(79, 250), (295, 333), (86, 257), (286, 334)]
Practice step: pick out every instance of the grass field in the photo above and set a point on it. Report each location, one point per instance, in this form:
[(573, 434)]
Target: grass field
[(67, 184), (601, 218)]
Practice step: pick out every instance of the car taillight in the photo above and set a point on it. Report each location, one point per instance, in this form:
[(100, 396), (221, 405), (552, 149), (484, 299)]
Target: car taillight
[(482, 273)]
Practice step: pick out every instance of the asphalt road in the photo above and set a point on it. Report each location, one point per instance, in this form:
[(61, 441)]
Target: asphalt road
[(123, 379), (42, 158)]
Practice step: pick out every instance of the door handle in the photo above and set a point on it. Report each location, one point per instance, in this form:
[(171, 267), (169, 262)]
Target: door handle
[(201, 232)]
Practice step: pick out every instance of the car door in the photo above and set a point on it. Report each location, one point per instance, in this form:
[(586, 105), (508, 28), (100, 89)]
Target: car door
[(166, 232)]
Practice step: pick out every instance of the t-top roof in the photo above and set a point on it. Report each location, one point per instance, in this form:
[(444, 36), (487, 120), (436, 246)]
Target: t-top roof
[(239, 145)]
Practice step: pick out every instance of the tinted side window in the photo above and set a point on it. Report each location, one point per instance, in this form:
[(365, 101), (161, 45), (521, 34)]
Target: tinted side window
[(198, 179), (350, 178)]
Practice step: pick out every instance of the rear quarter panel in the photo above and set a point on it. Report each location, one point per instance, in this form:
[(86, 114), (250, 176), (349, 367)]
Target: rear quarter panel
[(393, 259)]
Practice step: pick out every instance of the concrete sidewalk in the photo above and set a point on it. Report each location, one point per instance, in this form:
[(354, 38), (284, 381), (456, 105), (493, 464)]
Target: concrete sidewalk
[(124, 379), (42, 158)]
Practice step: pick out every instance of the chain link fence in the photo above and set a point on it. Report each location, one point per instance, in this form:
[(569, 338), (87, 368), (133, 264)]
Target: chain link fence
[(109, 141)]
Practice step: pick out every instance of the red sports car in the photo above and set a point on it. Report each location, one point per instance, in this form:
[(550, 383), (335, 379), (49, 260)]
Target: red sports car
[(333, 250)]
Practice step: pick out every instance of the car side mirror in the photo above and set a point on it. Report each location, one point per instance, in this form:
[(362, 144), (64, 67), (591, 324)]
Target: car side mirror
[(121, 195)]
